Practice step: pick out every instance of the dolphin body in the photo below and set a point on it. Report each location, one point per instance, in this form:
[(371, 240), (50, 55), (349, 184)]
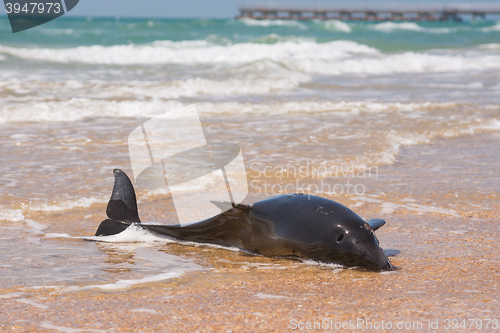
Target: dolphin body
[(295, 225)]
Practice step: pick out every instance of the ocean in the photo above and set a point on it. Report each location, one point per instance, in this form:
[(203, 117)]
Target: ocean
[(397, 120)]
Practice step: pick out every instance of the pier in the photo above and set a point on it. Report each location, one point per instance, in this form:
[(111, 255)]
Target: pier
[(366, 12)]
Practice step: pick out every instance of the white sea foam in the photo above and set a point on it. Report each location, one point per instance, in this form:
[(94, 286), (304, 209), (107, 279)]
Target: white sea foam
[(57, 32), (335, 25), (275, 80), (17, 215), (273, 23), (366, 199), (390, 26), (123, 284), (192, 52), (2, 58), (492, 28), (490, 46), (274, 267), (390, 207), (407, 62), (81, 108), (395, 140), (14, 215), (36, 227), (282, 108), (65, 205), (335, 267), (11, 295), (268, 296), (261, 77), (32, 303), (412, 26), (493, 124), (58, 235), (274, 38), (471, 85), (136, 234), (65, 329), (163, 265), (132, 234), (306, 56), (174, 272)]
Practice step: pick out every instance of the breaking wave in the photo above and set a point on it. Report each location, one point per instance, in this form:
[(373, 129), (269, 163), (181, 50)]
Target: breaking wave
[(192, 52), (81, 108), (273, 23), (287, 58), (335, 25), (492, 28), (411, 26)]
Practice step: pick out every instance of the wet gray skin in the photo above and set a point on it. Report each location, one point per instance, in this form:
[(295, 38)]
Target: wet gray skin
[(295, 225), (323, 229)]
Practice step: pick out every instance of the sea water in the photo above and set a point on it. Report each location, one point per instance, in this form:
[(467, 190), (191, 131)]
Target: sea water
[(308, 102)]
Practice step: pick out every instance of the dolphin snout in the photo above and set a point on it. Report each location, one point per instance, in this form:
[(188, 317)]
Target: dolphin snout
[(388, 266), (379, 261), (382, 265)]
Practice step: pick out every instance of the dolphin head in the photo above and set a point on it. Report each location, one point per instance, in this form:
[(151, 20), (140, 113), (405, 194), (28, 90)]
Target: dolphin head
[(360, 247), (317, 228)]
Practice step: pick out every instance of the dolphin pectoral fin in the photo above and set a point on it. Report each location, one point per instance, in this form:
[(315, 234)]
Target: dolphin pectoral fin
[(375, 223), (223, 205), (122, 205), (391, 252), (226, 205)]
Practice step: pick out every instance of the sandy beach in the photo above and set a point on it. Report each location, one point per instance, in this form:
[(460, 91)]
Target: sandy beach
[(447, 270)]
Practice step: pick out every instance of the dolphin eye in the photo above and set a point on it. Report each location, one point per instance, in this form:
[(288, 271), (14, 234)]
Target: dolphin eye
[(340, 238)]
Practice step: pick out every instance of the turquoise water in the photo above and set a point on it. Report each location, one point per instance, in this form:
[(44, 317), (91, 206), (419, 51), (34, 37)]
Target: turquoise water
[(66, 32), (205, 59)]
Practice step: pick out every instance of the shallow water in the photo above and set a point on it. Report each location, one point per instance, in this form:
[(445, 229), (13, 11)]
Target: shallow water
[(395, 120)]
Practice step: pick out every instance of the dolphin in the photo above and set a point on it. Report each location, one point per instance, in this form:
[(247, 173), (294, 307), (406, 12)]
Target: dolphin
[(288, 225)]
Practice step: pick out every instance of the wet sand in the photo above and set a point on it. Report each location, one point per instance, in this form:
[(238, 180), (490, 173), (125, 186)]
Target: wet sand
[(441, 206)]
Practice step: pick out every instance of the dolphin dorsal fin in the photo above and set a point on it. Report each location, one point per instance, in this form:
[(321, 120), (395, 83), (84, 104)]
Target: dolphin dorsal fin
[(375, 223), (227, 205), (122, 205)]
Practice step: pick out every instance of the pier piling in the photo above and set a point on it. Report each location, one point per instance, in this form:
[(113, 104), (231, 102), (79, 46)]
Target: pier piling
[(367, 12)]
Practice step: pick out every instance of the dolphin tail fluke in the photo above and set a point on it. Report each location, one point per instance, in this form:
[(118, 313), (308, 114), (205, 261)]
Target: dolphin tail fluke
[(122, 207), (375, 223), (111, 227)]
